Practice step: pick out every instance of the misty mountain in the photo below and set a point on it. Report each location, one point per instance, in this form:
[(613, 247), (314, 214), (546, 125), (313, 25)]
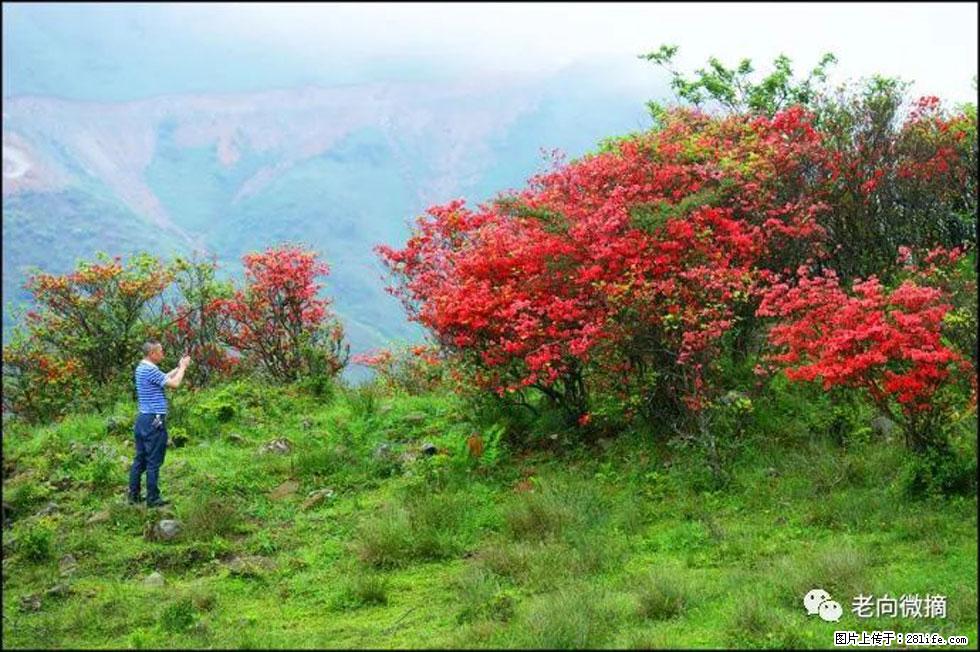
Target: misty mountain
[(339, 169)]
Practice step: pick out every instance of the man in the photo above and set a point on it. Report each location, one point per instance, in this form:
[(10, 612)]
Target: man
[(151, 427)]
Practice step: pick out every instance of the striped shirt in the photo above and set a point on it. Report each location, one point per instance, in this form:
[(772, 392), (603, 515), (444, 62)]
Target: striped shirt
[(149, 388)]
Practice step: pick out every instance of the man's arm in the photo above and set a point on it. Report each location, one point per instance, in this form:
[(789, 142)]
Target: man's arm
[(176, 375)]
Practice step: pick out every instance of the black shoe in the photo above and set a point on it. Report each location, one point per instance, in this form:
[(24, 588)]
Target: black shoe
[(134, 501), (159, 503)]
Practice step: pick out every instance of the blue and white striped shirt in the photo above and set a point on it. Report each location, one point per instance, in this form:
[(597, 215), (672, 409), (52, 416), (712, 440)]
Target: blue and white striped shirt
[(149, 388)]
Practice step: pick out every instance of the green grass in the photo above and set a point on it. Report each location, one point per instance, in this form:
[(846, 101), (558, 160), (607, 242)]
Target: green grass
[(628, 547)]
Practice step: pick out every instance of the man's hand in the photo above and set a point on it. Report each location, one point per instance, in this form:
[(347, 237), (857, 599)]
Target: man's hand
[(186, 360)]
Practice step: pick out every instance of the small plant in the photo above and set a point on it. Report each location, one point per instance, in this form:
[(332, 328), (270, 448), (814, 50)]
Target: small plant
[(661, 595), (178, 616), (363, 589), (34, 541), (210, 517)]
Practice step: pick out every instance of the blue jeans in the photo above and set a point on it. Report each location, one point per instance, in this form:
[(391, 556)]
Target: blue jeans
[(151, 447)]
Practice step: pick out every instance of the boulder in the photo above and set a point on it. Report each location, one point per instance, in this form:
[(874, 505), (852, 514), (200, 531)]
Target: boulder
[(48, 509), (154, 581), (99, 517), (250, 565), (30, 603), (883, 426), (67, 565), (414, 418), (429, 449), (59, 590), (164, 530), (279, 446), (382, 451), (316, 498), (286, 489)]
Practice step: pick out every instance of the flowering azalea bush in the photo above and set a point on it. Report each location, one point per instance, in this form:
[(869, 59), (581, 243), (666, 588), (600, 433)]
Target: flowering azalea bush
[(95, 315), (622, 271), (278, 321), (887, 342), (39, 385)]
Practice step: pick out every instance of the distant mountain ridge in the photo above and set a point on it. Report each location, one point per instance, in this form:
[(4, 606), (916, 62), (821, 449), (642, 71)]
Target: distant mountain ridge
[(340, 169)]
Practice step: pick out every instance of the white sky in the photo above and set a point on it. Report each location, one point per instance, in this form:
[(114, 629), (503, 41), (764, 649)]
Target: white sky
[(931, 44)]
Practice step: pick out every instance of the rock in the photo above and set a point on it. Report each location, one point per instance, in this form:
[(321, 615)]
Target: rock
[(67, 565), (317, 497), (59, 590), (413, 418), (279, 446), (430, 449), (165, 530), (883, 426), (48, 509), (287, 488), (236, 438), (382, 451), (408, 457), (251, 565), (30, 603), (99, 517), (154, 580)]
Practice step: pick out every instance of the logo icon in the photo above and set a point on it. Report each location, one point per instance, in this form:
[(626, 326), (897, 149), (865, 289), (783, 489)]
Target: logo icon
[(818, 602)]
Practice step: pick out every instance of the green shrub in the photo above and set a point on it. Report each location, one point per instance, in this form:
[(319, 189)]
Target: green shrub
[(34, 540), (661, 594), (362, 589), (178, 616), (211, 516)]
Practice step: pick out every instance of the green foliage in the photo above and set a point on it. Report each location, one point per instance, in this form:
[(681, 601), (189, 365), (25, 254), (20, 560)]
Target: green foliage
[(178, 615), (662, 594), (35, 540), (732, 88)]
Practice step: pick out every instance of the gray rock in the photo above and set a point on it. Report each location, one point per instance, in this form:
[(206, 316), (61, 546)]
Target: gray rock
[(316, 498), (30, 603), (286, 489), (154, 580), (48, 509), (250, 565), (99, 517), (67, 565), (430, 449), (59, 590), (413, 418), (382, 451), (280, 446), (883, 426), (167, 529)]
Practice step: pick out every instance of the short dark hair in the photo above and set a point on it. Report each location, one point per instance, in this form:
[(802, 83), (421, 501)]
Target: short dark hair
[(149, 345)]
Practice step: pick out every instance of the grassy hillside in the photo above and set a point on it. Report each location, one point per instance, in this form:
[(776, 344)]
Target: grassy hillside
[(621, 543)]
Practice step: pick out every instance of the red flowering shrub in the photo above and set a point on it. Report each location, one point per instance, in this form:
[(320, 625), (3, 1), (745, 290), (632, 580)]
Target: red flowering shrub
[(96, 315), (279, 322), (885, 342), (38, 385), (625, 264)]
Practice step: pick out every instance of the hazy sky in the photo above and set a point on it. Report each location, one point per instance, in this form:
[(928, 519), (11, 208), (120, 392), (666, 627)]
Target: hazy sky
[(932, 44)]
